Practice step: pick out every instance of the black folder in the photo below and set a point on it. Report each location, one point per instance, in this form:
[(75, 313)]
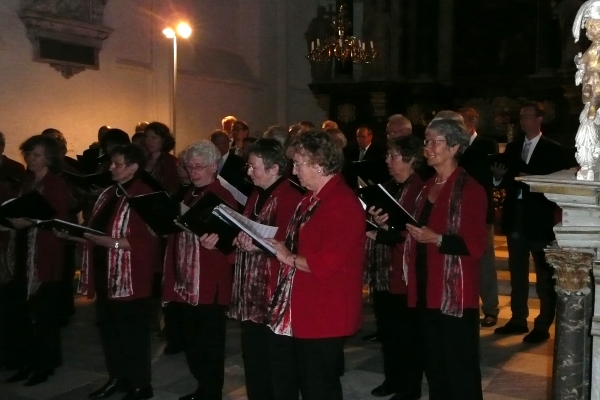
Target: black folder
[(70, 228), (371, 226), (30, 205), (85, 182), (158, 210), (200, 219), (376, 196), (151, 182)]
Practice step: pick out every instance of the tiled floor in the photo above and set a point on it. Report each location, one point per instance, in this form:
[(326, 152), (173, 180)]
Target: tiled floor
[(510, 369)]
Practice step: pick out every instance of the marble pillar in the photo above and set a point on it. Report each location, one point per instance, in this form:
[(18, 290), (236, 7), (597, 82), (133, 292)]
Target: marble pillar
[(571, 367), (576, 373)]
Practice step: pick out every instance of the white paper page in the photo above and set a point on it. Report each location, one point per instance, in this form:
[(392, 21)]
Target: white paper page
[(256, 231), (237, 195)]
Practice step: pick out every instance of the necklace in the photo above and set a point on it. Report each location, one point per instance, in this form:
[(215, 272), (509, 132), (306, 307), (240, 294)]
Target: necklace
[(439, 183), (117, 193)]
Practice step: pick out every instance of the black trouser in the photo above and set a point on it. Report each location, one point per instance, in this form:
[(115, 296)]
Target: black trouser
[(125, 332), (401, 342), (174, 314), (451, 347), (45, 350), (311, 363), (205, 347), (519, 248), (15, 332), (257, 366), (66, 301)]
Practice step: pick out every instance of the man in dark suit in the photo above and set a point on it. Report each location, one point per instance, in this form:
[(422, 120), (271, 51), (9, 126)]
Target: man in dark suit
[(231, 167), (475, 161), (528, 220), (366, 160)]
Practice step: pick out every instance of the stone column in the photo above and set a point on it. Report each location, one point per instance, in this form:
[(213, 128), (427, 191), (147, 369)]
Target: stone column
[(572, 347)]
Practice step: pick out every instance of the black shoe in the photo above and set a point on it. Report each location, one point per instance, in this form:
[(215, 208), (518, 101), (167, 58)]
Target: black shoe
[(21, 375), (536, 336), (109, 388), (405, 396), (371, 337), (38, 376), (489, 320), (511, 329), (382, 391), (142, 393), (170, 350)]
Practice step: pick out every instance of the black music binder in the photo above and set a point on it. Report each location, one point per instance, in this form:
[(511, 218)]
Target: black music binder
[(376, 196)]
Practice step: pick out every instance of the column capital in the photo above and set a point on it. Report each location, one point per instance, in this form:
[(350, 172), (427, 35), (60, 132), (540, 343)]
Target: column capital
[(572, 270)]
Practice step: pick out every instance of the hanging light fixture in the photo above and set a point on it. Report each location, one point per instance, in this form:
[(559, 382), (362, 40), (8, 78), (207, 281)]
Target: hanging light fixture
[(341, 47)]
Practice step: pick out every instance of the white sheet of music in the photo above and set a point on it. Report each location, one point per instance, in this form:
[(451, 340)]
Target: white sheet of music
[(237, 195), (260, 230)]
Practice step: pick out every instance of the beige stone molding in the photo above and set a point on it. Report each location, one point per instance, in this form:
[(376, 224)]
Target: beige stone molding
[(61, 31), (572, 270)]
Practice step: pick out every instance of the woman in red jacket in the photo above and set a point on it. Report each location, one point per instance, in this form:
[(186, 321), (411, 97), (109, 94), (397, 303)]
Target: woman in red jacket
[(34, 279), (402, 366), (272, 202), (117, 268), (442, 262), (161, 164), (198, 280), (318, 301)]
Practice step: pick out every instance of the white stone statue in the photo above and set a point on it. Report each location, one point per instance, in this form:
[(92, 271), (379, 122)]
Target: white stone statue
[(587, 139)]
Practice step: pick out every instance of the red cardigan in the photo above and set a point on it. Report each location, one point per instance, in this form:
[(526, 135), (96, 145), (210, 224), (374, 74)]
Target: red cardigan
[(410, 193), (49, 249), (473, 230), (327, 302), (145, 247), (215, 268), (165, 172)]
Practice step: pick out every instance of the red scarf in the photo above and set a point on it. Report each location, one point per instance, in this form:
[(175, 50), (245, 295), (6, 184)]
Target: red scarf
[(252, 274), (279, 313), (119, 260)]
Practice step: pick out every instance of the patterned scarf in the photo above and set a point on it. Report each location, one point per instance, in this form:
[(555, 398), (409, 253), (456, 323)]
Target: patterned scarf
[(252, 274), (119, 260), (378, 260), (452, 298), (279, 314)]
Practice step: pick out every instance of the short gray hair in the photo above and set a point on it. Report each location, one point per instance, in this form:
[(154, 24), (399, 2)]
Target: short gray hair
[(400, 120), (279, 133), (338, 137), (203, 149), (453, 131), (449, 114)]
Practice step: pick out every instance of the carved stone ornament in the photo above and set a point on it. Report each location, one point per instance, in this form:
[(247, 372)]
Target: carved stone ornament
[(346, 113), (572, 270), (67, 34)]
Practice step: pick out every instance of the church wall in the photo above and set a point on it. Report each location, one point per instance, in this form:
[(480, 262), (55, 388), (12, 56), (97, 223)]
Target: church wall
[(235, 63)]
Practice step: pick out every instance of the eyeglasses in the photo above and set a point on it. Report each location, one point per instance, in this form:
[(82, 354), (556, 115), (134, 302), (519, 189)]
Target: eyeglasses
[(392, 156), (190, 167), (296, 164), (435, 142)]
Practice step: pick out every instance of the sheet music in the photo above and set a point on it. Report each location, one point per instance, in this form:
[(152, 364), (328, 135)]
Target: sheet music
[(183, 208), (364, 205), (237, 195), (361, 183), (395, 201), (256, 231)]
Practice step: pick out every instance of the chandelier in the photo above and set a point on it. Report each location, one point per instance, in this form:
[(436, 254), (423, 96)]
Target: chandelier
[(341, 47)]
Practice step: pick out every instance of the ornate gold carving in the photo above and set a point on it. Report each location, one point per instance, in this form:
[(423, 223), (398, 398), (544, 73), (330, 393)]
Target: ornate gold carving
[(572, 270)]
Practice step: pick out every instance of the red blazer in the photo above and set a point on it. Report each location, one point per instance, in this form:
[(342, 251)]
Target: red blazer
[(215, 268), (145, 247), (412, 190), (473, 230), (327, 302), (49, 250)]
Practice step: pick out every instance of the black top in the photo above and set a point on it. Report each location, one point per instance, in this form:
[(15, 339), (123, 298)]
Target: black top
[(263, 195), (421, 261)]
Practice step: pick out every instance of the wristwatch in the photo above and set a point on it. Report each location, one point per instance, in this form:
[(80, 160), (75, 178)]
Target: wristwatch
[(117, 244), (439, 242)]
